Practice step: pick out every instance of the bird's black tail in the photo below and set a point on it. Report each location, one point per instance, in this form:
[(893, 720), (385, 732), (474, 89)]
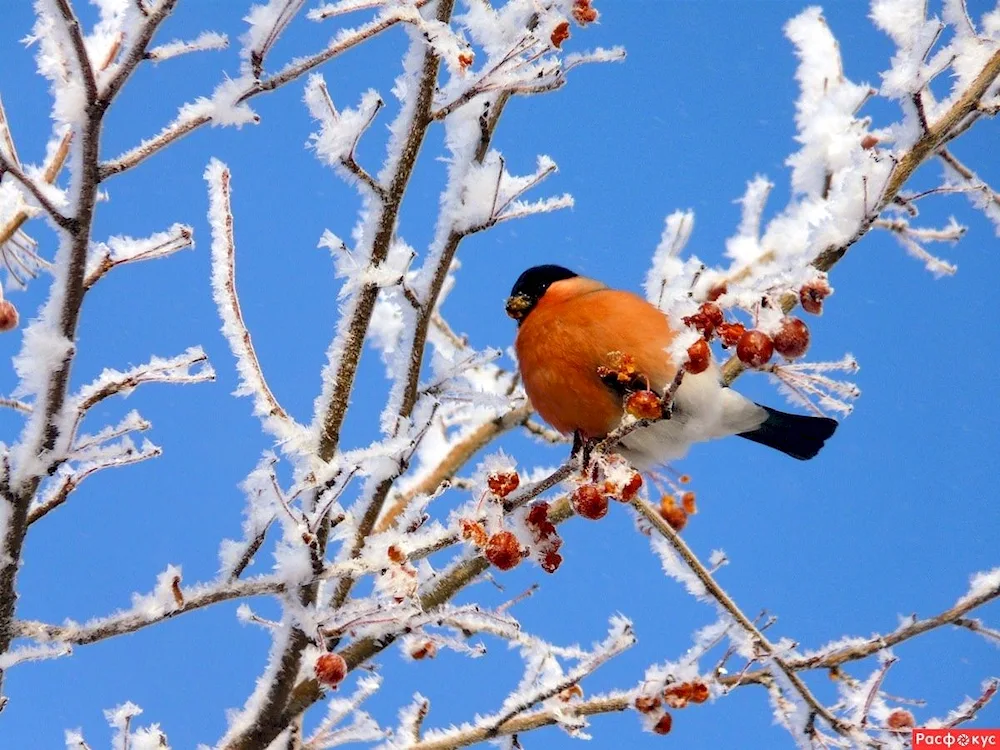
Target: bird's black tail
[(794, 435)]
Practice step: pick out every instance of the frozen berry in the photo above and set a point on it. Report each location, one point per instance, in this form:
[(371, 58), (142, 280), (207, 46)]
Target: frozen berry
[(396, 554), (559, 34), (465, 59), (869, 141), (672, 513), (900, 719), (538, 520), (502, 483), (646, 704), (699, 357), (590, 502), (664, 724), (8, 316), (331, 669), (712, 313), (631, 487), (755, 348), (792, 339), (503, 550), (644, 405), (812, 295), (688, 503), (731, 333)]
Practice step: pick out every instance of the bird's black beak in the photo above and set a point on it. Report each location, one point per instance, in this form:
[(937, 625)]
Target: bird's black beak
[(518, 306)]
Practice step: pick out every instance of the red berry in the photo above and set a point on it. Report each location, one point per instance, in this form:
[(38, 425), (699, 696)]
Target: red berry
[(699, 357), (551, 561), (646, 704), (503, 550), (792, 339), (644, 405), (502, 483), (677, 695), (8, 316), (331, 669), (590, 502), (869, 141), (631, 487), (672, 513), (396, 555), (664, 724), (900, 719), (687, 502), (559, 34), (712, 313), (755, 348), (730, 333), (538, 519), (465, 59), (812, 295)]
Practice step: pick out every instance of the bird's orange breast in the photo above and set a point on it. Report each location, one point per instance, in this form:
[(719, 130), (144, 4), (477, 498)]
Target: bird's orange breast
[(568, 336)]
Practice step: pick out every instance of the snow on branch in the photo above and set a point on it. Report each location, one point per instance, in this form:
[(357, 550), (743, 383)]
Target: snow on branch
[(337, 140), (207, 40), (190, 367), (252, 383), (331, 732), (121, 250)]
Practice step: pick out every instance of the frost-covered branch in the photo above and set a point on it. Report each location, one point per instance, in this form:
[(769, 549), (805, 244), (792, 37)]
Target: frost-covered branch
[(122, 250), (252, 382), (207, 40), (7, 166)]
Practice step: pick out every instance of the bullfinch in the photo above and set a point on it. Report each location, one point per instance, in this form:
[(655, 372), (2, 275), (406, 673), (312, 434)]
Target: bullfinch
[(567, 327)]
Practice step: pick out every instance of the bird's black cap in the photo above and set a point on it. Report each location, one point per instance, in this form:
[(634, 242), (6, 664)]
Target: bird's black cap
[(531, 285)]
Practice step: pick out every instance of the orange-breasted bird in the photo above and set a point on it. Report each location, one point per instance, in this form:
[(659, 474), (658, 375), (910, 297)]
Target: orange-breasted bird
[(567, 327)]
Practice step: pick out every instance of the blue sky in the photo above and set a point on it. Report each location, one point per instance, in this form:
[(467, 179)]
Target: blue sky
[(891, 519)]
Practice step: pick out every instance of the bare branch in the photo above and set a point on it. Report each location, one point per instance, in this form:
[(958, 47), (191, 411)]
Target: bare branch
[(35, 191)]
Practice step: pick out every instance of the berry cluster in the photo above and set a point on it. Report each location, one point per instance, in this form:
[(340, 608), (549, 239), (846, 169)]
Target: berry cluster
[(546, 540), (677, 515), (611, 478), (676, 695), (754, 347)]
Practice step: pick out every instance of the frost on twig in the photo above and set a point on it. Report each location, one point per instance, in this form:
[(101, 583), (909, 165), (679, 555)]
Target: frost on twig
[(207, 40), (121, 250), (332, 732), (252, 383)]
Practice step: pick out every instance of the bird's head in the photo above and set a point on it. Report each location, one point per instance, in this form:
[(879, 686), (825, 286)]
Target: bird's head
[(531, 286)]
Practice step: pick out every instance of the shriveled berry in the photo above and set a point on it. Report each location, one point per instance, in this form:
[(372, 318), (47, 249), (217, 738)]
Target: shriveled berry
[(551, 561), (900, 719), (589, 502), (812, 295), (396, 554), (559, 34), (644, 405), (699, 357), (792, 339), (672, 513), (677, 695), (465, 59), (502, 483), (473, 531), (538, 520), (8, 316), (699, 692), (663, 725), (631, 487), (646, 704), (331, 669), (755, 348), (503, 550), (731, 333), (869, 141), (688, 503), (619, 367), (712, 313), (426, 650), (583, 13)]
